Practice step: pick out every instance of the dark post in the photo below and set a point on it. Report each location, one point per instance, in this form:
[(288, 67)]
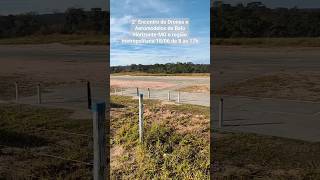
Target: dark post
[(221, 113), (17, 92), (99, 141), (39, 93), (89, 95)]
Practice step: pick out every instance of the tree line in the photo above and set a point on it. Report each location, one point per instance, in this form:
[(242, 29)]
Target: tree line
[(72, 21), (169, 68), (256, 20)]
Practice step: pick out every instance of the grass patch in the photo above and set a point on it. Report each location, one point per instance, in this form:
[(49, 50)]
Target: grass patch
[(196, 89), (176, 141), (268, 42), (27, 132), (18, 139), (253, 156), (73, 39)]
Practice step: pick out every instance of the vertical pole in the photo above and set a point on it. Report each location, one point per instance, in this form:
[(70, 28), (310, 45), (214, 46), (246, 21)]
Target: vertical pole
[(148, 93), (17, 92), (137, 91), (89, 95), (169, 98), (99, 141), (221, 113), (115, 90), (141, 118), (39, 94), (178, 96)]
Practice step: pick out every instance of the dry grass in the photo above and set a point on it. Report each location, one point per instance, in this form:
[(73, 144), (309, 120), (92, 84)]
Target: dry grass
[(176, 141), (28, 134), (250, 156), (297, 86), (196, 89)]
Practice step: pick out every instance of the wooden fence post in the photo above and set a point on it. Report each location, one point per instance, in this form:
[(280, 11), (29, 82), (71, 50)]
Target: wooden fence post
[(221, 113), (169, 98), (148, 93), (39, 93), (141, 118), (17, 92), (138, 92), (99, 141), (178, 96), (89, 95)]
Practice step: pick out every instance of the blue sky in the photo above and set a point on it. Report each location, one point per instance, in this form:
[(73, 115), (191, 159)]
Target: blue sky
[(122, 11)]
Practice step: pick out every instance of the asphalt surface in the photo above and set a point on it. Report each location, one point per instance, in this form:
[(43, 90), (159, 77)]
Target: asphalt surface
[(274, 117)]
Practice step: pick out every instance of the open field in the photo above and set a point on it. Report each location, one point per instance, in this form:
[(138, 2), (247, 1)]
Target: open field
[(161, 85), (267, 42), (250, 156), (172, 133), (289, 73), (294, 86), (29, 134), (32, 139), (271, 91), (51, 140), (62, 71), (176, 141), (58, 38)]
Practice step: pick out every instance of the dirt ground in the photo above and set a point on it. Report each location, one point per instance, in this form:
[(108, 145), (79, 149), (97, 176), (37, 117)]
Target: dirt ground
[(140, 84), (192, 89), (54, 62), (267, 72)]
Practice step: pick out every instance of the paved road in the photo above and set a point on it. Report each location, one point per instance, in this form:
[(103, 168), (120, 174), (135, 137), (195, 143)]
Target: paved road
[(202, 99), (68, 97), (283, 118)]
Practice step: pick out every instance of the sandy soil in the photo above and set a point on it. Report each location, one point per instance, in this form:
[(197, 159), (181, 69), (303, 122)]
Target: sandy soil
[(140, 84)]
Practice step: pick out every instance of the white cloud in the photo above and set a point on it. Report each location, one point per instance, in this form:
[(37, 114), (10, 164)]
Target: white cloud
[(119, 28)]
